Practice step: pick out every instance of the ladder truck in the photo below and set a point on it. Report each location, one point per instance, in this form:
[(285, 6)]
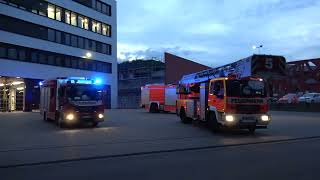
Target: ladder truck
[(231, 96)]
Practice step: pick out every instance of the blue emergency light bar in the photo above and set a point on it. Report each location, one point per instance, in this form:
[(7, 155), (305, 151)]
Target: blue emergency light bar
[(81, 80)]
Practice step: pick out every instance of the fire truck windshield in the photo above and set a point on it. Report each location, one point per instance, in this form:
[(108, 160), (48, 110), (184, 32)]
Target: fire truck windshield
[(83, 93), (246, 88)]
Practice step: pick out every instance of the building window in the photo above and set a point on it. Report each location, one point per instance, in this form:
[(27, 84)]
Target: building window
[(58, 36), (58, 61), (93, 46), (104, 9), (67, 62), (67, 39), (105, 30), (51, 12), (12, 53), (58, 13), (51, 60), (98, 27), (73, 19), (42, 59), (3, 52), (22, 55), (81, 21), (86, 23), (94, 26), (81, 42), (86, 44), (67, 17), (74, 41), (99, 6), (34, 57), (74, 63), (80, 65), (51, 35)]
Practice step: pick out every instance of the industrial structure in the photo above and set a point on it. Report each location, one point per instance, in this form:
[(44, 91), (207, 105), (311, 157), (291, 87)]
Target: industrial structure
[(43, 39), (134, 74)]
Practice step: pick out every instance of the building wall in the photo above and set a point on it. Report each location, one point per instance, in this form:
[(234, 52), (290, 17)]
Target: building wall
[(133, 75), (41, 71), (177, 66)]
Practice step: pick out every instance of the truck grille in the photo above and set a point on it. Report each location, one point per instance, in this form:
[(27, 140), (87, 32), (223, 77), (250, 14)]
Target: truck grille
[(248, 109), (87, 109)]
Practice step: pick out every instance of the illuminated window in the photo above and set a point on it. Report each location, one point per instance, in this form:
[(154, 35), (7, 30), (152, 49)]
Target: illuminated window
[(94, 26), (99, 28), (67, 17), (73, 19), (83, 22), (58, 13), (105, 30), (86, 23), (51, 11)]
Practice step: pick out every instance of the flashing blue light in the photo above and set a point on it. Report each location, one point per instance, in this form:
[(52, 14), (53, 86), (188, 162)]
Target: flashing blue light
[(40, 83), (98, 81)]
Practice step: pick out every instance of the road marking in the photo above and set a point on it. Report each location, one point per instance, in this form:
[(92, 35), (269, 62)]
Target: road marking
[(157, 152)]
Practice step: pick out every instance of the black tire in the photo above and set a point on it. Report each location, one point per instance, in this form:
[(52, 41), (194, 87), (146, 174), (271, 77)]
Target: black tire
[(60, 122), (212, 122), (183, 117), (45, 118), (153, 108), (252, 130)]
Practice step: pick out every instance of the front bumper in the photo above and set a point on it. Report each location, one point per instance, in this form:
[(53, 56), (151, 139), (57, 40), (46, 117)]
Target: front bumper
[(245, 120), (83, 117)]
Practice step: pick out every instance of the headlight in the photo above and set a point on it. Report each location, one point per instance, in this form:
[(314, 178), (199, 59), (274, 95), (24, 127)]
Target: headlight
[(265, 118), (70, 117), (100, 116), (229, 118)]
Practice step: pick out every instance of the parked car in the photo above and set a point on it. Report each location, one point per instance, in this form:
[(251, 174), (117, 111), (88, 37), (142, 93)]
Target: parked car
[(313, 98), (303, 98), (290, 98)]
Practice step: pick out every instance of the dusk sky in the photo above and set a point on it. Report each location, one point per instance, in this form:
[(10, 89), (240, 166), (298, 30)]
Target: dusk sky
[(215, 32)]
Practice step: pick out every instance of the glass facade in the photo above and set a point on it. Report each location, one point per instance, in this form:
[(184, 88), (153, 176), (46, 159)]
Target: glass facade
[(52, 11), (20, 53), (33, 30)]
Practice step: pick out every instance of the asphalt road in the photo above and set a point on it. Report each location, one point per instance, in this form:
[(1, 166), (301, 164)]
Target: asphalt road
[(133, 144)]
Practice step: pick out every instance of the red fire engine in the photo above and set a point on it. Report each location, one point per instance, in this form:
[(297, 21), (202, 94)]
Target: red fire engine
[(230, 96), (69, 101), (159, 97)]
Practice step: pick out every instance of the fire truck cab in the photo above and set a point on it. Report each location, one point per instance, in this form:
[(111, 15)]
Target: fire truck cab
[(159, 97), (70, 101)]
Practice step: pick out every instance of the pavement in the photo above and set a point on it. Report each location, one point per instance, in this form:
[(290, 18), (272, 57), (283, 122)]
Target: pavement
[(134, 144)]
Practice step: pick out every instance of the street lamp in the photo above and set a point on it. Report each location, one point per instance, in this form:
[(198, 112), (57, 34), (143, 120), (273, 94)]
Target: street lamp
[(88, 55), (254, 47)]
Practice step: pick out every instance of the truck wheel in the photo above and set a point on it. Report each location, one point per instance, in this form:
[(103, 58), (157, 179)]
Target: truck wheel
[(60, 123), (153, 108), (212, 122), (252, 130), (45, 116), (183, 117)]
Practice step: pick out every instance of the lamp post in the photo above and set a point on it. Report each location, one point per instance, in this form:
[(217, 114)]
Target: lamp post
[(257, 47)]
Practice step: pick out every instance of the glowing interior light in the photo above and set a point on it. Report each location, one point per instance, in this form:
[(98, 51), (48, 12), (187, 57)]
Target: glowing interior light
[(40, 83), (17, 83), (98, 81)]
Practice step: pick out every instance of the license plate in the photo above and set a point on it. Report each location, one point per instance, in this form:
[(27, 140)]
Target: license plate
[(248, 119), (86, 117)]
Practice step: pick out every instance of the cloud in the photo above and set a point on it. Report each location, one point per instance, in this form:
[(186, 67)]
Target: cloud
[(216, 32)]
